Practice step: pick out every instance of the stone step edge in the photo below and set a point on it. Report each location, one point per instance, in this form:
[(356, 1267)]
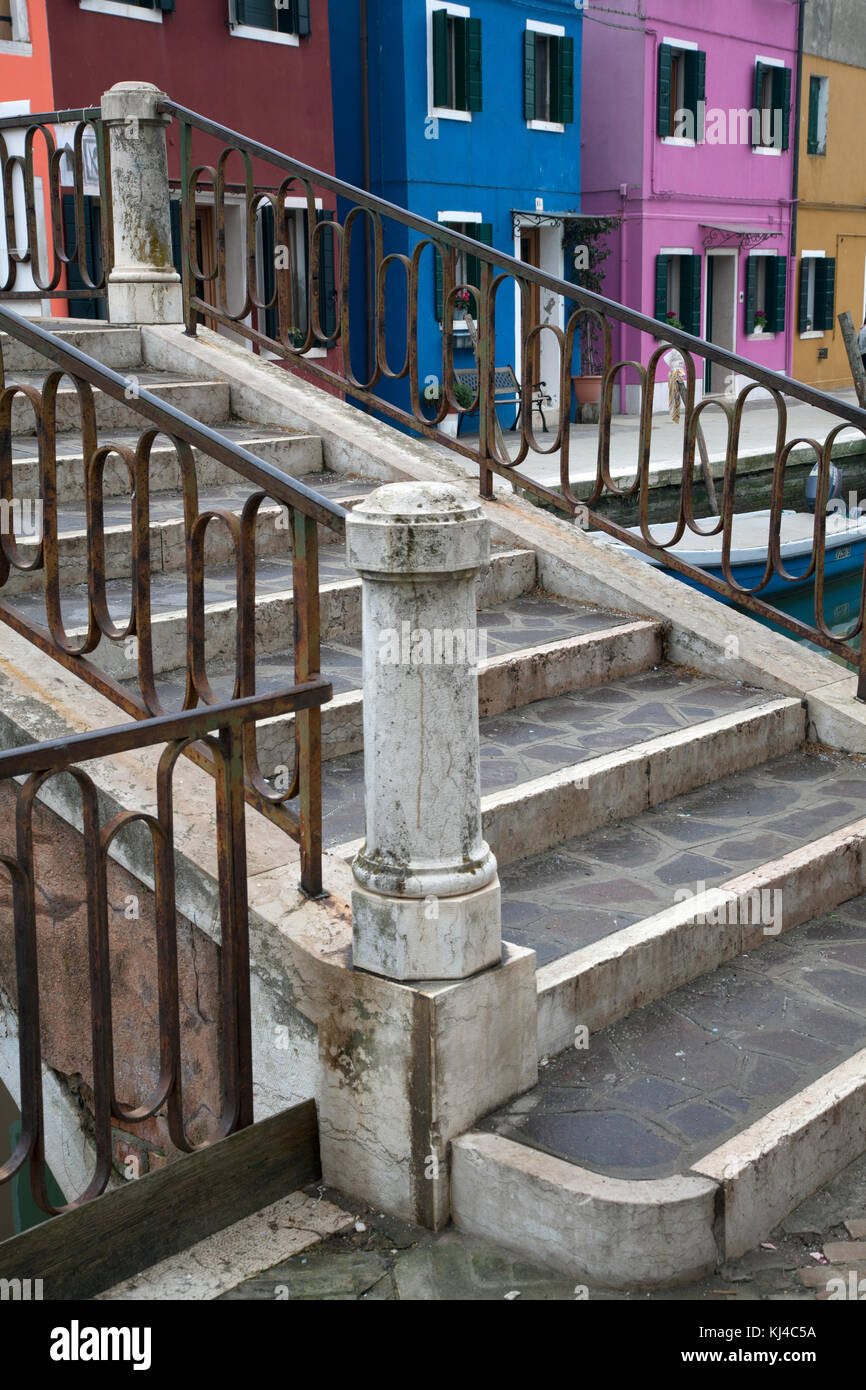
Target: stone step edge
[(600, 983), (506, 682), (258, 435), (637, 1234), (509, 574), (536, 815)]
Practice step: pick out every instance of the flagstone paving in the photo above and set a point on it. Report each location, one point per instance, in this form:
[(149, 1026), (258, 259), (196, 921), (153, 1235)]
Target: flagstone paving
[(540, 738), (650, 1095), (595, 884)]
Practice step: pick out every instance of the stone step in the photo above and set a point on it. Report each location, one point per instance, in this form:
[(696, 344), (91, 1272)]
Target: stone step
[(209, 402), (663, 732), (509, 574), (678, 1137), (298, 455), (115, 346), (531, 648), (168, 531)]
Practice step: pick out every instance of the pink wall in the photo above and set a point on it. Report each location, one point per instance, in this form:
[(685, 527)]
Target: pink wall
[(673, 189)]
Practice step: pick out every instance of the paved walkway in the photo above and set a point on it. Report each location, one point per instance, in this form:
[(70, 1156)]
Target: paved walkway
[(757, 437)]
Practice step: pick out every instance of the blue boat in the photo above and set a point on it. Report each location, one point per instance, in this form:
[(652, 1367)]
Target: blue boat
[(845, 548)]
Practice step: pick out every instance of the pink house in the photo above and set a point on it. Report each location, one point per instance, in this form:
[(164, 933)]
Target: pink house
[(688, 137)]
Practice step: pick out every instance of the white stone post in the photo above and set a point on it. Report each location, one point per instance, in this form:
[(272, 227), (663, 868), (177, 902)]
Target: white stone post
[(143, 286), (426, 901)]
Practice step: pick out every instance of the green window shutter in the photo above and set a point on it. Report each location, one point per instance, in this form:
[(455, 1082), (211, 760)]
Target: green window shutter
[(814, 98), (84, 308), (167, 6), (437, 285), (825, 292), (751, 293), (441, 94), (303, 25), (175, 211), (757, 101), (696, 86), (327, 279), (663, 121), (662, 287), (483, 232), (690, 294), (782, 101), (472, 34), (777, 290), (529, 75), (563, 104), (803, 296)]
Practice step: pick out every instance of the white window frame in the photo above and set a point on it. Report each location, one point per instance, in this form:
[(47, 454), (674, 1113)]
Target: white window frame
[(812, 256), (762, 337), (550, 31), (442, 113), (121, 11), (457, 325), (249, 31), (19, 44), (683, 45), (768, 63)]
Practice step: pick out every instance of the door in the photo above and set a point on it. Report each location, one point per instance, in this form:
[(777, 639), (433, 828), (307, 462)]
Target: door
[(721, 315), (530, 253), (205, 241)]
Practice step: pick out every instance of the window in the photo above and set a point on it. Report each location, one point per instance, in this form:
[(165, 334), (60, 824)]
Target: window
[(294, 263), (678, 290), (681, 93), (467, 268), (287, 17), (456, 54), (772, 104), (817, 293), (766, 286), (548, 77), (819, 98), (130, 9)]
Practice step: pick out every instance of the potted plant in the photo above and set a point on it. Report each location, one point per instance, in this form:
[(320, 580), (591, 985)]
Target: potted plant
[(586, 247), (460, 393), (760, 322), (673, 321), (297, 337)]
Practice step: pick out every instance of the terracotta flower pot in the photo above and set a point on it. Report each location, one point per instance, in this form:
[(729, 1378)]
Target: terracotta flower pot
[(587, 389)]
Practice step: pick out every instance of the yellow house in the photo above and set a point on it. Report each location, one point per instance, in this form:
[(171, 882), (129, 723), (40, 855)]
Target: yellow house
[(831, 216)]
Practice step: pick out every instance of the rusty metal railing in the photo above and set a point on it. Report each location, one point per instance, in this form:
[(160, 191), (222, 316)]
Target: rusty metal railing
[(79, 650), (222, 729), (79, 164), (394, 277)]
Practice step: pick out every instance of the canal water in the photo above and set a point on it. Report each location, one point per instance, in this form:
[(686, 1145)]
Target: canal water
[(841, 607)]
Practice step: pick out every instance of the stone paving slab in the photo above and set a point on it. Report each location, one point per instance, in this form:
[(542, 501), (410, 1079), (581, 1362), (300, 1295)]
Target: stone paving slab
[(542, 737), (652, 1094), (527, 621), (389, 1260), (591, 886)]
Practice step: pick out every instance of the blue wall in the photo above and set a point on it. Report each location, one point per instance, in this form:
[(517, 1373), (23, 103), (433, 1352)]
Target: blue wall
[(490, 164)]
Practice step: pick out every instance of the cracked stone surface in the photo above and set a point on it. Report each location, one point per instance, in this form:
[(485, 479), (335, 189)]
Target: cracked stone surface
[(540, 738), (593, 885), (676, 1079), (389, 1260)]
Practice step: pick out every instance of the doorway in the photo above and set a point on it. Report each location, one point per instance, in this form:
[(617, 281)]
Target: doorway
[(721, 316)]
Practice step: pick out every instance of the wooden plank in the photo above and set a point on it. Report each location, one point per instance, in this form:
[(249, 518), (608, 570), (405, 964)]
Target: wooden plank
[(849, 335), (84, 1251)]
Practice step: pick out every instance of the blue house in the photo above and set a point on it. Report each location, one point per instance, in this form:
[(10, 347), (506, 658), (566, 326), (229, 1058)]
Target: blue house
[(473, 121)]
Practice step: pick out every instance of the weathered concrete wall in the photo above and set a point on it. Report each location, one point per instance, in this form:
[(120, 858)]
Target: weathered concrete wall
[(834, 29)]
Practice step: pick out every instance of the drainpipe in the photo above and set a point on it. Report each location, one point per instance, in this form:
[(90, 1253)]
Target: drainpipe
[(795, 189), (365, 176), (623, 388)]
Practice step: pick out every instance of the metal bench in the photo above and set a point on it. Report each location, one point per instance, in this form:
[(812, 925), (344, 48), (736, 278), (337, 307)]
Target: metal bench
[(506, 391)]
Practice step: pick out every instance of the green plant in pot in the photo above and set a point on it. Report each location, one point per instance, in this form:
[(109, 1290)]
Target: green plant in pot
[(586, 246), (460, 393)]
